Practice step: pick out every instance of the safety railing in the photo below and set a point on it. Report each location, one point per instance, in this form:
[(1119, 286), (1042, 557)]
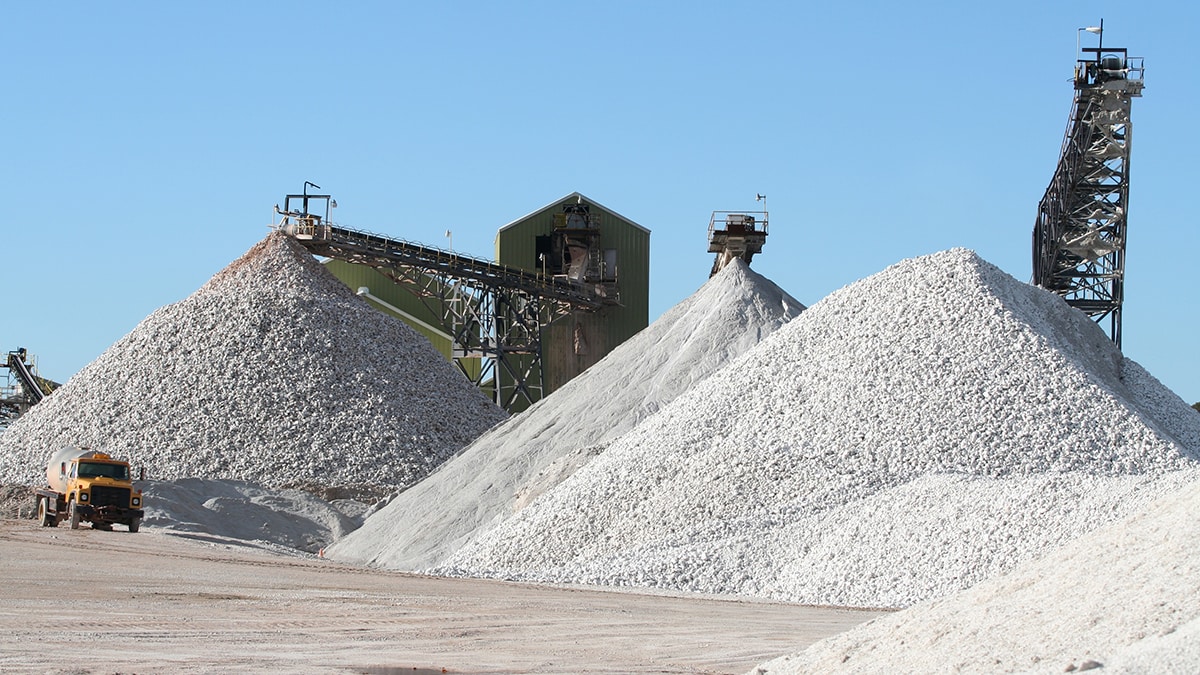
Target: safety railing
[(737, 222)]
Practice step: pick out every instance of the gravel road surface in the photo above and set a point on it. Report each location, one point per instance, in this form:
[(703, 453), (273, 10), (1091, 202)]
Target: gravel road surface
[(88, 601)]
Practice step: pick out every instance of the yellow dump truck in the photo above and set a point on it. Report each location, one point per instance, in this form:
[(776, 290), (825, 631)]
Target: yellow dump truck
[(89, 486)]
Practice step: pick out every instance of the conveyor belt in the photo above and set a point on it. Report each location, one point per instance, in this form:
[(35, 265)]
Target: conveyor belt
[(29, 382), (371, 249), (502, 321)]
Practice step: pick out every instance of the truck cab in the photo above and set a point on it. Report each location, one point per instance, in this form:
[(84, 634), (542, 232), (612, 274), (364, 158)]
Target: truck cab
[(94, 488)]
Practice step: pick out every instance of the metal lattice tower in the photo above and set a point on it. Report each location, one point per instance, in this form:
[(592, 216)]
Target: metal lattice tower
[(1079, 238)]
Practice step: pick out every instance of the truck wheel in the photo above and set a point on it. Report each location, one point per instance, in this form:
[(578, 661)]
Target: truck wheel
[(44, 513), (134, 524), (73, 512)]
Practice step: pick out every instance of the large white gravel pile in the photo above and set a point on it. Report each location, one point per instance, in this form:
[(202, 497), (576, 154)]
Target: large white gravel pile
[(532, 452), (273, 372), (904, 438), (1125, 597)]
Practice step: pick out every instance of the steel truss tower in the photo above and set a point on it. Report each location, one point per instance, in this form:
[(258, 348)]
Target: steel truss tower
[(1079, 238)]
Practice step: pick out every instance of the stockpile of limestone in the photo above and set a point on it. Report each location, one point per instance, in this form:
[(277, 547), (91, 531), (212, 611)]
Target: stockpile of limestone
[(273, 372)]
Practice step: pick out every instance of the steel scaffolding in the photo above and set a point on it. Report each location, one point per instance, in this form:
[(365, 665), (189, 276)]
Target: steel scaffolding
[(1080, 234)]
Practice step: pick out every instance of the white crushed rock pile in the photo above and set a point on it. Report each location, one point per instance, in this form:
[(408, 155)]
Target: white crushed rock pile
[(1125, 597), (273, 372), (904, 438), (508, 466)]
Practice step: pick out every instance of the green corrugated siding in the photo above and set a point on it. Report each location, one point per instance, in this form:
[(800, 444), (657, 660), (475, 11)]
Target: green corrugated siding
[(516, 246)]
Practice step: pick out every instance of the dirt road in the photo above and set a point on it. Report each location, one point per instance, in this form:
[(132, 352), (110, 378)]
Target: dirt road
[(88, 601)]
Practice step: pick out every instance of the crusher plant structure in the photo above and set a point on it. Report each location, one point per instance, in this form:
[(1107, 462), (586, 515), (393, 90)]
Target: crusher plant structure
[(736, 234), (1080, 234), (23, 389), (578, 241), (500, 323)]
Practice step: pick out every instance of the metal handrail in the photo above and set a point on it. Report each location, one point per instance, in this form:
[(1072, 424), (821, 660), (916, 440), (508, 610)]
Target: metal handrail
[(760, 224)]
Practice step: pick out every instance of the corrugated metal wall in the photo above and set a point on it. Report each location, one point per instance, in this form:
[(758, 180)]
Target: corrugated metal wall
[(600, 331)]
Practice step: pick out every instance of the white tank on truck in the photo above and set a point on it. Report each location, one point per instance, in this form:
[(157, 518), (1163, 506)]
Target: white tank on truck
[(89, 485), (56, 468)]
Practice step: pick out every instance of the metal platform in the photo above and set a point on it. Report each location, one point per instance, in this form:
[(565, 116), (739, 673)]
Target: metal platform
[(736, 234)]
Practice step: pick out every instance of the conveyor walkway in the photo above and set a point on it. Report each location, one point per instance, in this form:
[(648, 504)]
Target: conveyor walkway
[(372, 249)]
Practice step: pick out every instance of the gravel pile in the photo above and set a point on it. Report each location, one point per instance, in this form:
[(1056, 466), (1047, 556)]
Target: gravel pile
[(904, 438), (1125, 597), (273, 372), (510, 465), (17, 501)]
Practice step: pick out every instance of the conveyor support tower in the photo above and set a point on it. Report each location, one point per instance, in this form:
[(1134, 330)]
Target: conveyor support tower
[(1080, 233)]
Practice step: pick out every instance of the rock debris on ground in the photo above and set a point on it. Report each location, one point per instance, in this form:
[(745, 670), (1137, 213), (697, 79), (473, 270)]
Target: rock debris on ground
[(906, 437), (273, 372), (533, 451)]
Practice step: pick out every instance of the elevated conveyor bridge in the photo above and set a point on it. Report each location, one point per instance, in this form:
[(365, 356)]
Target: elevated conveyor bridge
[(494, 313)]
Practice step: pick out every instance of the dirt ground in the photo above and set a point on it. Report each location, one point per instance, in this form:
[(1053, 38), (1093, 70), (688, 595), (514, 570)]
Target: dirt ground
[(88, 601)]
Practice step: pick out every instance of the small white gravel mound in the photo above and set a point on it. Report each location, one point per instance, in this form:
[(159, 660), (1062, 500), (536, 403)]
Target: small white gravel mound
[(273, 372), (900, 440), (532, 452), (229, 509), (1125, 597)]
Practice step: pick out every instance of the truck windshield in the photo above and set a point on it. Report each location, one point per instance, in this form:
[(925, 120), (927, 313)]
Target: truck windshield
[(98, 470)]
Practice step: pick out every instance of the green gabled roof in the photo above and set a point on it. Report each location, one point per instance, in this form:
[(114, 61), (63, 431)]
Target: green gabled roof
[(560, 200)]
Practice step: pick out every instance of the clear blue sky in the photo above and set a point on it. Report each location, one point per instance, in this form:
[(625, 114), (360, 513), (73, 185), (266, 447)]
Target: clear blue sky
[(145, 143)]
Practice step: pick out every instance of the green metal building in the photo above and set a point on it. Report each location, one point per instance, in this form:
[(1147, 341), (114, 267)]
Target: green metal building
[(580, 239)]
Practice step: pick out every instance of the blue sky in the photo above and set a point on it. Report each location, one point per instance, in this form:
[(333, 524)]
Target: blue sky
[(145, 143)]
